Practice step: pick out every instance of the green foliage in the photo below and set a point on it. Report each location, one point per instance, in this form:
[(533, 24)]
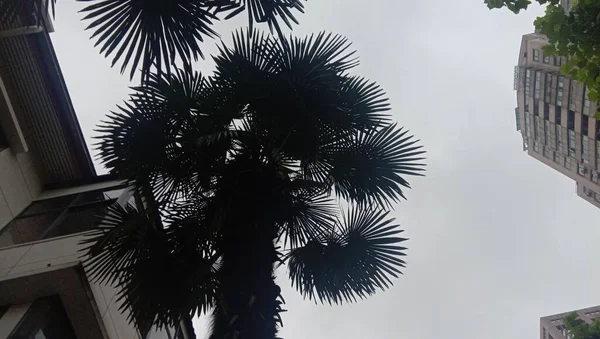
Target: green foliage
[(516, 5), (579, 329), (576, 35)]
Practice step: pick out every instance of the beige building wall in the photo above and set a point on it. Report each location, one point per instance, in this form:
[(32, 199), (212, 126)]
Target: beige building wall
[(556, 119), (19, 184), (552, 326)]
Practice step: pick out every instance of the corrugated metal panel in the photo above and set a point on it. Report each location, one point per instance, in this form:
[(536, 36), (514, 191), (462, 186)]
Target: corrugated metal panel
[(22, 69)]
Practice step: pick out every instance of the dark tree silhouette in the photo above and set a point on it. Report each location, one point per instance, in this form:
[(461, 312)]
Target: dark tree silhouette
[(153, 34), (246, 170)]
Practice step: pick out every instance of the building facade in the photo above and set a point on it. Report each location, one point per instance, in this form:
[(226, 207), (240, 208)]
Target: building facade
[(50, 196), (556, 118), (552, 327)]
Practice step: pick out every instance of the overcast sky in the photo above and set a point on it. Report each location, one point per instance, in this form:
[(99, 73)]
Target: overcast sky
[(497, 238)]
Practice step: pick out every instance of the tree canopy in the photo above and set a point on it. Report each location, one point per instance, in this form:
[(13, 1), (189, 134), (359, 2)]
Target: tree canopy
[(579, 329), (574, 34)]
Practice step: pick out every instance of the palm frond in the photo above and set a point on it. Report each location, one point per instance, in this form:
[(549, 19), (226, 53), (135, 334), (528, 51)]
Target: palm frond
[(123, 235), (353, 261), (128, 250), (269, 11), (150, 32), (164, 286), (318, 56), (364, 101), (371, 167), (155, 139), (307, 214)]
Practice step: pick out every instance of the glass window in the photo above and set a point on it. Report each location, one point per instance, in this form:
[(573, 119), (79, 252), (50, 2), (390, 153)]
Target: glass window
[(585, 156), (581, 169), (548, 87), (572, 94), (45, 319), (546, 59), (536, 54), (586, 102), (570, 163), (540, 134), (560, 140), (528, 82), (537, 85), (571, 120), (559, 91), (550, 134), (59, 216), (571, 142), (598, 155)]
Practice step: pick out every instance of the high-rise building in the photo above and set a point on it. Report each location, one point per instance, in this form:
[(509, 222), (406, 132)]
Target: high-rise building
[(556, 118), (552, 326), (50, 195)]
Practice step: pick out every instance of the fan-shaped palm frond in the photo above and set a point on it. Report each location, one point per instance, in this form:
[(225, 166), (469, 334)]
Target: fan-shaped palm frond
[(189, 279), (269, 11), (370, 167), (154, 139), (123, 235), (354, 260), (150, 31), (129, 250), (305, 215)]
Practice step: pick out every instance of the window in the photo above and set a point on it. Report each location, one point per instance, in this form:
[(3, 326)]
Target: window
[(585, 149), (548, 87), (557, 61), (59, 216), (571, 142), (528, 125), (586, 102), (582, 170), (45, 319), (540, 134), (546, 59), (536, 54), (559, 159), (572, 94), (557, 115), (559, 139), (536, 146), (598, 155), (550, 134), (546, 111), (548, 152), (571, 120), (585, 124), (537, 85), (528, 83), (559, 91), (570, 163)]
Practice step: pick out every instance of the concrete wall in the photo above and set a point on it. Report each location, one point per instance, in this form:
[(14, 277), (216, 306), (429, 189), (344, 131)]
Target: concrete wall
[(30, 258), (19, 184)]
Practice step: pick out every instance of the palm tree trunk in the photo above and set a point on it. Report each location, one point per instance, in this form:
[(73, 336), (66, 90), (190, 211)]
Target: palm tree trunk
[(248, 306)]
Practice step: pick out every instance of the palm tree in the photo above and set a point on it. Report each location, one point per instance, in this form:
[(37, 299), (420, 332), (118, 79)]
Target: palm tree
[(247, 170), (153, 34)]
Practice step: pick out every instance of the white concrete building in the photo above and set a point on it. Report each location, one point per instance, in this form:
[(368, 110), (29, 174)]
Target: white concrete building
[(49, 196)]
